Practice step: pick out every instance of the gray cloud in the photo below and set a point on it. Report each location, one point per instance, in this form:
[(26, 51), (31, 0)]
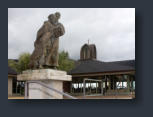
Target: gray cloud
[(112, 30)]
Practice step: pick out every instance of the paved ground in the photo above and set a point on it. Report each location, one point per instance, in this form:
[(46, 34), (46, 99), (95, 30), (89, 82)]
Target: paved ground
[(87, 97), (105, 97), (16, 97)]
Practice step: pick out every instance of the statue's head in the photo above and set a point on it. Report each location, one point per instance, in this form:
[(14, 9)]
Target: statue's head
[(53, 18), (58, 15)]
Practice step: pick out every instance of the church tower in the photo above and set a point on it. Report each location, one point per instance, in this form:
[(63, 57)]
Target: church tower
[(88, 51)]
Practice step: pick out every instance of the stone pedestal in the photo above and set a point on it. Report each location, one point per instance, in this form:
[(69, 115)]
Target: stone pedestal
[(51, 77)]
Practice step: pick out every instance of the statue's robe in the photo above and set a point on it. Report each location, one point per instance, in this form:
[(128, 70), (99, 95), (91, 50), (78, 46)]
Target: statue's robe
[(46, 46)]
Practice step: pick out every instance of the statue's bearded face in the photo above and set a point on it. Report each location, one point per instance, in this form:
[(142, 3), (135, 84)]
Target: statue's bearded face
[(53, 19)]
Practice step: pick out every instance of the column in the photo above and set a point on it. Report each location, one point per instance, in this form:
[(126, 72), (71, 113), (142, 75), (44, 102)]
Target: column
[(128, 83), (84, 88), (109, 80)]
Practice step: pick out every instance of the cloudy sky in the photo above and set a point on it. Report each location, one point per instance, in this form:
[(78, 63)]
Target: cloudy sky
[(111, 30)]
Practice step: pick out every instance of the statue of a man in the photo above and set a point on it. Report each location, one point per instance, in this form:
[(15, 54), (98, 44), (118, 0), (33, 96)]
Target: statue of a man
[(45, 54)]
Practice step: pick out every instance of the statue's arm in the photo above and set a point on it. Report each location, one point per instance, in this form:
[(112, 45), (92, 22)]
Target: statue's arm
[(62, 29), (41, 30)]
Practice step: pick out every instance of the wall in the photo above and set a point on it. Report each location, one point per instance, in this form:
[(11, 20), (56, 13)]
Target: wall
[(9, 86)]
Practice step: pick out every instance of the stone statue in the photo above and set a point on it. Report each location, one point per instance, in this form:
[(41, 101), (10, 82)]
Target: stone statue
[(45, 54)]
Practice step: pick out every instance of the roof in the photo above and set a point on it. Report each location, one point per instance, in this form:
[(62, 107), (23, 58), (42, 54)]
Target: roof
[(95, 66), (11, 71)]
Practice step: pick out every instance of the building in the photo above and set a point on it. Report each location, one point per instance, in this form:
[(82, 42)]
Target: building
[(15, 88), (93, 77), (11, 75)]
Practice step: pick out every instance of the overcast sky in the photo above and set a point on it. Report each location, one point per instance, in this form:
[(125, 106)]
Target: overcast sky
[(111, 30)]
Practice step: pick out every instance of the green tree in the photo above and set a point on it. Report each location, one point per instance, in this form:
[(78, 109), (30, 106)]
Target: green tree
[(13, 64), (65, 63), (23, 63)]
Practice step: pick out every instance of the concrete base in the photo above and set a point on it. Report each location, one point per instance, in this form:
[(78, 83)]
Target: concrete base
[(52, 78)]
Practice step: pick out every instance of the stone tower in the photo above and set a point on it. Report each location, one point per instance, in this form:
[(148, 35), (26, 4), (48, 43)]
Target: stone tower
[(88, 51)]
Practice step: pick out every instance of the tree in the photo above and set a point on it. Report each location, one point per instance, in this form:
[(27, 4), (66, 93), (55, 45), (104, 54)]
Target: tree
[(24, 60), (65, 63), (22, 63), (13, 64)]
